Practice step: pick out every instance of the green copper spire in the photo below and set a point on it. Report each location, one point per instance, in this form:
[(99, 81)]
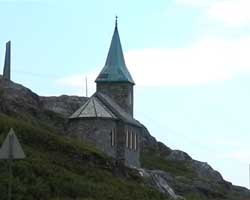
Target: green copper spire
[(115, 69)]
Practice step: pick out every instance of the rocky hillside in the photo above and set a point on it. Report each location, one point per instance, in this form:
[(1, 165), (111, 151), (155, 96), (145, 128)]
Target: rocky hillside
[(166, 173), (58, 168), (20, 102), (187, 177), (63, 105)]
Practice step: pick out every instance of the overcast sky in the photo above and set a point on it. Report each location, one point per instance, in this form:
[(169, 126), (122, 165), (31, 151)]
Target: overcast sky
[(189, 58)]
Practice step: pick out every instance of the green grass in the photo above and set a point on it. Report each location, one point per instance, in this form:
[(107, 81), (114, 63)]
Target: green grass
[(151, 160), (194, 196), (58, 168), (185, 176)]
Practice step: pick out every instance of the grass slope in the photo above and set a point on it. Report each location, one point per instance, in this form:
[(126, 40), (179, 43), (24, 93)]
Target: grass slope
[(186, 177), (57, 168)]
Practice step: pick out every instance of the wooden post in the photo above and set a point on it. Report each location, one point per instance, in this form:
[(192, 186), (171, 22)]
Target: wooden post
[(10, 160)]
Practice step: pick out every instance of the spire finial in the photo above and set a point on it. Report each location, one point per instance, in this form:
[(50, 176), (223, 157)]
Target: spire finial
[(116, 18)]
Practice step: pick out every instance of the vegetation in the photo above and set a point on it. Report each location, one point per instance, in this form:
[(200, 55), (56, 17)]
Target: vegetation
[(151, 160), (58, 168), (186, 176)]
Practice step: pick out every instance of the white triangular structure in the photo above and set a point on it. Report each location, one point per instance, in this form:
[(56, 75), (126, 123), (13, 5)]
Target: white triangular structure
[(11, 148)]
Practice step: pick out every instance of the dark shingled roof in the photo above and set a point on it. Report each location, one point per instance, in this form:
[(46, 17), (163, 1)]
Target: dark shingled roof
[(102, 106), (115, 69), (117, 110), (93, 108)]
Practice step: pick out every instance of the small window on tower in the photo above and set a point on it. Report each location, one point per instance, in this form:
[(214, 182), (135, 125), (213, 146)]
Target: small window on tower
[(129, 98)]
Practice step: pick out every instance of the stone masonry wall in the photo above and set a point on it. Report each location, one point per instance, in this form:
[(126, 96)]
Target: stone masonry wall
[(120, 142), (94, 131), (121, 93), (98, 132), (132, 155)]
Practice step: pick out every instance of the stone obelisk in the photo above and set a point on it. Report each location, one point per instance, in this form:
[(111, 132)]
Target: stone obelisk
[(6, 69)]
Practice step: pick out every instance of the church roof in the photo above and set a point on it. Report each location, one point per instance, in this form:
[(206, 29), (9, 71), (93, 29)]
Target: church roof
[(115, 69), (102, 106), (93, 108), (117, 110)]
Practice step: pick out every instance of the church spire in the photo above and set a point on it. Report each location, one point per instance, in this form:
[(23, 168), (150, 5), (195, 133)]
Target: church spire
[(6, 69), (115, 69)]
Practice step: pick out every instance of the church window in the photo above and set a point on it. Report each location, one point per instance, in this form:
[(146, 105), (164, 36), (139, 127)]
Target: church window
[(129, 98), (112, 134), (127, 139), (135, 141), (131, 140)]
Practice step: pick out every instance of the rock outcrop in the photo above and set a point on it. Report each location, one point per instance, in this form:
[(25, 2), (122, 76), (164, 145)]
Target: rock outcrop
[(159, 180), (172, 172), (184, 175), (63, 105), (16, 99), (20, 102)]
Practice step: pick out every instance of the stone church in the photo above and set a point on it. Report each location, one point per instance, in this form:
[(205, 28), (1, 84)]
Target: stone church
[(106, 119)]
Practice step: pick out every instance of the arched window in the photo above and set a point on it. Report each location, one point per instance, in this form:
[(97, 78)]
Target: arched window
[(135, 141), (130, 98), (131, 139), (112, 136), (127, 138)]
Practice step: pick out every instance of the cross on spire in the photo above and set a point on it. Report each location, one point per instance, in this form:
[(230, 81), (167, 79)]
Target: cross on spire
[(116, 19)]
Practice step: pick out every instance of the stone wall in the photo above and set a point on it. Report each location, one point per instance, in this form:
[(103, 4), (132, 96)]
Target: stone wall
[(132, 155), (94, 131), (121, 93), (98, 132)]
